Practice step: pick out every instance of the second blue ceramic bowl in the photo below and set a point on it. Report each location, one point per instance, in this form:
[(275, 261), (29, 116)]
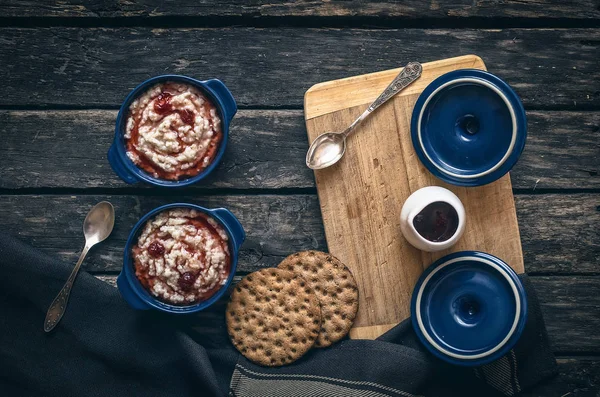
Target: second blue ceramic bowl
[(138, 297), (214, 89), (469, 308)]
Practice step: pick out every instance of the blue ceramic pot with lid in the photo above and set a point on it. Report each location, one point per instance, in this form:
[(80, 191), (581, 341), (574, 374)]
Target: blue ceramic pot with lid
[(468, 127), (469, 308), (129, 172)]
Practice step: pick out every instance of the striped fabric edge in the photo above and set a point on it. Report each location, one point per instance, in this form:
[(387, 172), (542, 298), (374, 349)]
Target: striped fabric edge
[(242, 375), (501, 374), (515, 377)]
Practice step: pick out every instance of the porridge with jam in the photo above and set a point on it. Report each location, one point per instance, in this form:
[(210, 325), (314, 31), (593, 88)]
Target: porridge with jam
[(172, 131), (182, 256)]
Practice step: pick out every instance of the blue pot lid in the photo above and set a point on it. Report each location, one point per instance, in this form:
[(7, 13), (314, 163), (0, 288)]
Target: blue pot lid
[(469, 308), (468, 127)]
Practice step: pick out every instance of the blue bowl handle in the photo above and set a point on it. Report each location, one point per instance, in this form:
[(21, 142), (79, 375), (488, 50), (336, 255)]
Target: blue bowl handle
[(237, 231), (118, 167), (128, 294), (221, 91)]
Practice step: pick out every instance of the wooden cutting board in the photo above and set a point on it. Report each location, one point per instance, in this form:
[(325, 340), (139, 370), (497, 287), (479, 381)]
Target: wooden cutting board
[(361, 196)]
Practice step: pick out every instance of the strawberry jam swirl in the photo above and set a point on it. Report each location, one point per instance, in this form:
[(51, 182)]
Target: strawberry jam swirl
[(182, 256), (173, 131)]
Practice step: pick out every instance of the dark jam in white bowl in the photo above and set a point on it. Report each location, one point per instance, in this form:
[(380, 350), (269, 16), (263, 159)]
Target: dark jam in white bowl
[(437, 222)]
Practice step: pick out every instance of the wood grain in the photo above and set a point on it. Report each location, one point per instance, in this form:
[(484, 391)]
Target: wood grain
[(577, 377), (583, 9), (568, 300), (559, 231), (97, 67), (569, 226), (276, 226), (562, 151), (336, 95), (266, 150), (361, 196), (552, 69)]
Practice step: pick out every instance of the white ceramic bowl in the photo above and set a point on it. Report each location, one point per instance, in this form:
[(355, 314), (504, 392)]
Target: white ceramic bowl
[(416, 202)]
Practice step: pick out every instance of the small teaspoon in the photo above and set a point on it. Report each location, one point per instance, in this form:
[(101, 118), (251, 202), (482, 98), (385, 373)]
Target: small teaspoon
[(97, 227), (328, 148)]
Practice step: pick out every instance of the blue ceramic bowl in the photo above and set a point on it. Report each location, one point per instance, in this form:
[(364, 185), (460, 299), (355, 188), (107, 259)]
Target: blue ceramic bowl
[(214, 89), (468, 127), (137, 296), (469, 308)]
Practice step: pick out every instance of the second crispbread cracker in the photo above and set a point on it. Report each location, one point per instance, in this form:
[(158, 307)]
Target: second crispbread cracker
[(336, 290), (273, 317)]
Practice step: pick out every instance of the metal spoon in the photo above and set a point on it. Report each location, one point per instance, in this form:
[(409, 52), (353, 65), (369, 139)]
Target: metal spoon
[(328, 148), (97, 226)]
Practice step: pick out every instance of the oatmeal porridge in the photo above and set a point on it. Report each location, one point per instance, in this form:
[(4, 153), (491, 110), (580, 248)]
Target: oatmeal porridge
[(182, 256), (172, 131)]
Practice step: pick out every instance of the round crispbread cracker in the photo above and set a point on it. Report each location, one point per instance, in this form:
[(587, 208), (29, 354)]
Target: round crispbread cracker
[(336, 290), (273, 317)]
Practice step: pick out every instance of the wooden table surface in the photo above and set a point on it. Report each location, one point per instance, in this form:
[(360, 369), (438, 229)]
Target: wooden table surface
[(66, 67)]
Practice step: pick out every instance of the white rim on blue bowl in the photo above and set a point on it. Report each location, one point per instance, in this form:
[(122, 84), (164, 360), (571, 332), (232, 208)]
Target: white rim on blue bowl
[(518, 137), (497, 347), (459, 356), (512, 115)]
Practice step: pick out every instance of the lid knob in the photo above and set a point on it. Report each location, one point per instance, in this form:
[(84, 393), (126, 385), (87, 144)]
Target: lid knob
[(468, 124)]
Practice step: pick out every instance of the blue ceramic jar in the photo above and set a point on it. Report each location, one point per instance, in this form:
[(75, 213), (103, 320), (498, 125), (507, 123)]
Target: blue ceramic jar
[(468, 127), (469, 308), (214, 89), (139, 298)]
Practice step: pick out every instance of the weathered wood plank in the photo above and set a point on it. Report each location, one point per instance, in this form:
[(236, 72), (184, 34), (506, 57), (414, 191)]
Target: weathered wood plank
[(577, 377), (583, 9), (359, 202), (561, 146), (275, 225), (45, 149), (570, 305), (571, 308), (559, 233), (98, 67)]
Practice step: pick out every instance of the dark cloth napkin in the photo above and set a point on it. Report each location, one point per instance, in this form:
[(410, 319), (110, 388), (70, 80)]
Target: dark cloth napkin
[(104, 348)]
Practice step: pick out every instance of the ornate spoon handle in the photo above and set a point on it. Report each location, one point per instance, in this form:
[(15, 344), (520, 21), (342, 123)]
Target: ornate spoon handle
[(410, 73), (59, 304)]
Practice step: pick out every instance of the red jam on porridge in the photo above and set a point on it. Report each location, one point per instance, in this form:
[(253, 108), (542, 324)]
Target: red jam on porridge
[(182, 256), (172, 131)]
